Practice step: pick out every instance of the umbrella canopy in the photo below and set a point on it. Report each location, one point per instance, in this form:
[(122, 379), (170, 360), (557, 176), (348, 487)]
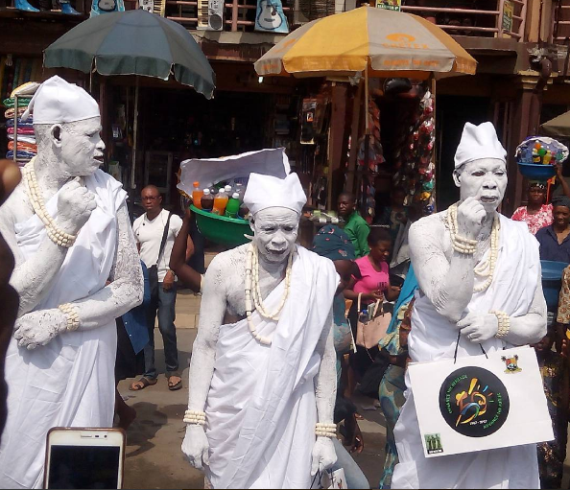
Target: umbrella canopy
[(135, 42), (387, 43), (559, 127)]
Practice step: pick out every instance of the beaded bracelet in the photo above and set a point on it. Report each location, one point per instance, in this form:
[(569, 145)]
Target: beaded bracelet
[(504, 322), (70, 311), (325, 430), (193, 417)]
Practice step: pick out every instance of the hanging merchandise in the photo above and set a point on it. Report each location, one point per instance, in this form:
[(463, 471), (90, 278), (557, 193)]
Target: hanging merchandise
[(270, 17), (309, 109), (416, 169)]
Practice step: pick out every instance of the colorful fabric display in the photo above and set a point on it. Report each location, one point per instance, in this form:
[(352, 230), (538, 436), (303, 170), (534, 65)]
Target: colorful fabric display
[(21, 124), (10, 102), (9, 114), (25, 139), (20, 155), (22, 145), (28, 88), (25, 130)]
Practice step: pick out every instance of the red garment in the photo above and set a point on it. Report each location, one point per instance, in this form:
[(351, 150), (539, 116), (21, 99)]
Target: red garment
[(22, 130), (535, 221)]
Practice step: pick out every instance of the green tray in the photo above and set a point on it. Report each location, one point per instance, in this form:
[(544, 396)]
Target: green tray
[(221, 229)]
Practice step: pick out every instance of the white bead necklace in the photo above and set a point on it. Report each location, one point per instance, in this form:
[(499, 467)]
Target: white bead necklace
[(54, 233), (485, 268), (253, 298)]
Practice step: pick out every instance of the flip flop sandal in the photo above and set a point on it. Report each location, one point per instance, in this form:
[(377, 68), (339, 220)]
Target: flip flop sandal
[(145, 382), (175, 386)]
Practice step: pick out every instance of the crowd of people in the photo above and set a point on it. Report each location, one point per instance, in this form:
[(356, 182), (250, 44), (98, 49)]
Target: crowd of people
[(287, 336)]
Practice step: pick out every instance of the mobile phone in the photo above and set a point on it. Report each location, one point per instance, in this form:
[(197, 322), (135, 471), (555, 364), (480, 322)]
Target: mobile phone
[(84, 458)]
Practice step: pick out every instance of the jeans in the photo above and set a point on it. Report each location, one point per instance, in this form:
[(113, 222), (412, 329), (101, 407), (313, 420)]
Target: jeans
[(354, 476), (165, 303)]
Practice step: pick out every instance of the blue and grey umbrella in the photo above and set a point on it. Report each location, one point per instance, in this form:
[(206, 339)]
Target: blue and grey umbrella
[(135, 42)]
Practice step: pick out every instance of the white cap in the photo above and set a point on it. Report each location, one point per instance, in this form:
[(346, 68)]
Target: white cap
[(207, 192), (235, 195), (264, 191), (479, 142), (228, 188), (59, 102)]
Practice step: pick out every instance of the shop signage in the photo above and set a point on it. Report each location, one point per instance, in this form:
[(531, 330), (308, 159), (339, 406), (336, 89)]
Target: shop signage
[(270, 17), (389, 4), (508, 12)]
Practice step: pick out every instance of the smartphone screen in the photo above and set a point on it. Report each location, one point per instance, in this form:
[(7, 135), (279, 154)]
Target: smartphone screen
[(84, 467)]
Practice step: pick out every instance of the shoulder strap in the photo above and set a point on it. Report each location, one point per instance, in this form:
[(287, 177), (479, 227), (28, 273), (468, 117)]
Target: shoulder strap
[(164, 237)]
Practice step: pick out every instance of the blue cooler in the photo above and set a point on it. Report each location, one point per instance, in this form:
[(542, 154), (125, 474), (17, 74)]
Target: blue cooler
[(552, 281)]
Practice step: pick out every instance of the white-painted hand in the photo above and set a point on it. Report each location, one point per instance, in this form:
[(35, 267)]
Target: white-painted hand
[(470, 216), (195, 446), (478, 328), (324, 455), (74, 206), (39, 327)]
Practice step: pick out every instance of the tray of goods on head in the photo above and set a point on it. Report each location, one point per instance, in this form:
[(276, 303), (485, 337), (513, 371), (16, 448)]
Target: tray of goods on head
[(217, 187), (537, 157)]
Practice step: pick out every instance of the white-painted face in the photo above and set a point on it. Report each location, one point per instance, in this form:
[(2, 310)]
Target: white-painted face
[(275, 232), (80, 146), (484, 179)]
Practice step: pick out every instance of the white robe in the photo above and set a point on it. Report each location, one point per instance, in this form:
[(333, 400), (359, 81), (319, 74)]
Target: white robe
[(70, 381), (433, 338), (261, 407)]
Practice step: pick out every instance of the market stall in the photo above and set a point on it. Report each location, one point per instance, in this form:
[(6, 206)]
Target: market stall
[(380, 66)]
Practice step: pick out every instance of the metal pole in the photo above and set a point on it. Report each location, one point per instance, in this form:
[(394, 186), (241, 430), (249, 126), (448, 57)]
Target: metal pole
[(135, 135)]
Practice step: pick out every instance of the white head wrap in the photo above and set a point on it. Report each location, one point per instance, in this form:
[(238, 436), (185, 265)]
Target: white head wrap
[(265, 191), (479, 142), (60, 102)]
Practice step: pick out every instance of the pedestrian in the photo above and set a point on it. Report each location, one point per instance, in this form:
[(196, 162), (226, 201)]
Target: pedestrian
[(155, 232), (355, 226), (132, 338), (555, 239), (186, 274), (551, 455)]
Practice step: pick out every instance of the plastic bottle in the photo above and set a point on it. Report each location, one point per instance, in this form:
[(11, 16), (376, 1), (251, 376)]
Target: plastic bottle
[(207, 200), (232, 209), (243, 211), (220, 203), (197, 194), (229, 190), (547, 158)]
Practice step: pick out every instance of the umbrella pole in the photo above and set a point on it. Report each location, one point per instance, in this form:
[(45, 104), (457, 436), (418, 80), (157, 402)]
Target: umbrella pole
[(360, 189), (135, 135)]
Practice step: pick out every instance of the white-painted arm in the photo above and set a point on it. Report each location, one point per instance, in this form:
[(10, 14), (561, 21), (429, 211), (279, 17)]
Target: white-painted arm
[(324, 455), (121, 295), (526, 329), (448, 285), (32, 278), (195, 444)]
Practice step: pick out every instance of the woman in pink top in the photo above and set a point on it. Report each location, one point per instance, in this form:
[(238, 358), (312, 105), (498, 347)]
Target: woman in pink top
[(374, 278), (536, 214), (373, 282)]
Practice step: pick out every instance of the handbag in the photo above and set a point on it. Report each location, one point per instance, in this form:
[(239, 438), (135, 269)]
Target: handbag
[(153, 270), (370, 332), (342, 334), (478, 403)]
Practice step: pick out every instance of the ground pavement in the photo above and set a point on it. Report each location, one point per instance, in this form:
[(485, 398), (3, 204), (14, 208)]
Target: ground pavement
[(153, 456)]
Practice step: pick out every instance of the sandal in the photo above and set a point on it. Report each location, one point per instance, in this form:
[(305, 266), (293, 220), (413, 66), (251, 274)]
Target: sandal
[(177, 385), (142, 383)]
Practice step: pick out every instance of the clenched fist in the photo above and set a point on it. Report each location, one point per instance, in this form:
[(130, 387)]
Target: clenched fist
[(74, 207), (195, 446), (39, 327), (470, 217)]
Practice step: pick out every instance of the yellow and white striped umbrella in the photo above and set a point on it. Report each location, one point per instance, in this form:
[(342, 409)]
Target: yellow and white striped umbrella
[(388, 43)]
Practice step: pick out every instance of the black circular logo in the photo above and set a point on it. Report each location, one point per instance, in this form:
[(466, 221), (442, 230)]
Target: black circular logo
[(474, 402)]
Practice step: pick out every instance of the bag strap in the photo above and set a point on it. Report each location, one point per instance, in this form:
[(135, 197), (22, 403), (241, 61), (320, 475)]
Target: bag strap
[(359, 300), (164, 237)]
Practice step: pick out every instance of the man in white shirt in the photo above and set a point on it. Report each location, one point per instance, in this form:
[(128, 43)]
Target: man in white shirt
[(149, 230)]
